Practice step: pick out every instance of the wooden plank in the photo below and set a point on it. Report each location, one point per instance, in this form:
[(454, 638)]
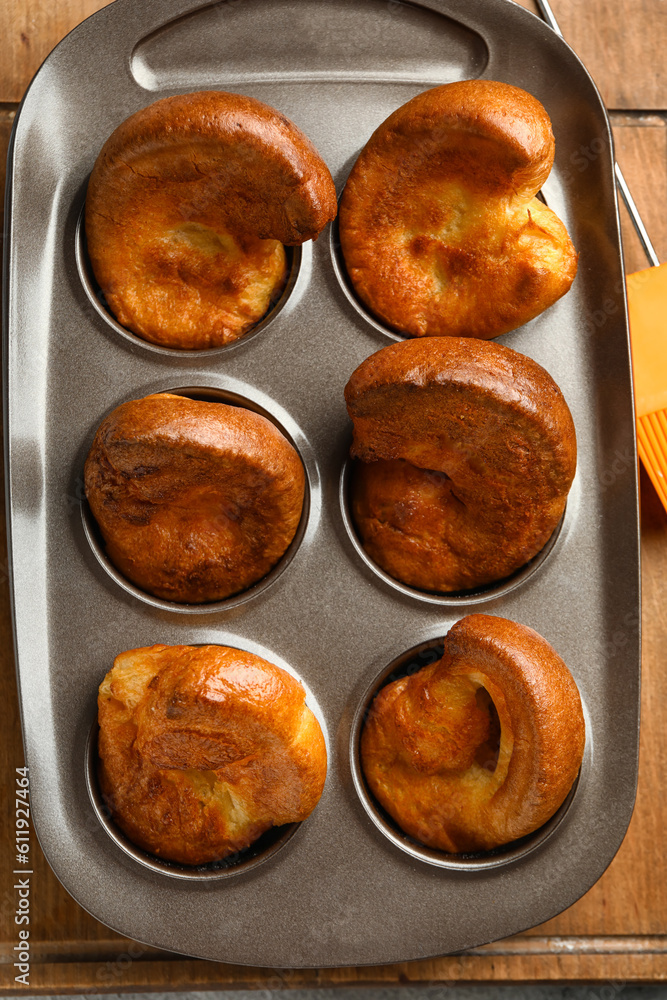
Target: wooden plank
[(30, 29), (622, 44), (125, 973), (641, 150)]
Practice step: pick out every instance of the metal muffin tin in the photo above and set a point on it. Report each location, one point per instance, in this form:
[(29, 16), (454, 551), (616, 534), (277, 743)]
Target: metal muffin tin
[(342, 890)]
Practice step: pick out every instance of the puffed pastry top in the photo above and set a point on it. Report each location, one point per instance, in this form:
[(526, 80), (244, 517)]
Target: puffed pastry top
[(195, 500), (480, 748), (440, 226), (468, 451), (203, 749), (188, 206)]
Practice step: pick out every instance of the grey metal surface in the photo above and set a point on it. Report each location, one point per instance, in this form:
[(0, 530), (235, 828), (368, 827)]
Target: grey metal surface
[(339, 892)]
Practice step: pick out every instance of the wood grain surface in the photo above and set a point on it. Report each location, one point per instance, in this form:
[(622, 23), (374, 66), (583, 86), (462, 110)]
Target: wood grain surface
[(622, 45), (30, 29), (617, 933)]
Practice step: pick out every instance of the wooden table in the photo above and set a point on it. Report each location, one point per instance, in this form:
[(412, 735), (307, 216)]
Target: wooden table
[(617, 933)]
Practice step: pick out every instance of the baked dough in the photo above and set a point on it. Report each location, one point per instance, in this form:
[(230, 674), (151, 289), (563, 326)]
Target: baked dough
[(480, 748), (203, 749), (440, 228), (467, 451), (188, 207), (195, 501)]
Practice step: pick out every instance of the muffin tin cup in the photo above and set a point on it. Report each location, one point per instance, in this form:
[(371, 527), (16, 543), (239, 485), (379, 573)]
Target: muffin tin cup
[(478, 595), (340, 270), (265, 848), (350, 292), (98, 302), (478, 861), (94, 536)]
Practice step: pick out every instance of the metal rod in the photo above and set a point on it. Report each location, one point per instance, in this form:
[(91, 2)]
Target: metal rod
[(549, 16), (637, 221)]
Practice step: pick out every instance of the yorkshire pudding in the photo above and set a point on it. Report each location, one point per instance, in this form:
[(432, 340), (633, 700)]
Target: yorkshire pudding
[(203, 749), (480, 748), (188, 207), (440, 228), (467, 455), (195, 500)]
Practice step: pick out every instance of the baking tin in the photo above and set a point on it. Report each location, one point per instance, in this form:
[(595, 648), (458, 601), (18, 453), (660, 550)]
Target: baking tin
[(341, 892)]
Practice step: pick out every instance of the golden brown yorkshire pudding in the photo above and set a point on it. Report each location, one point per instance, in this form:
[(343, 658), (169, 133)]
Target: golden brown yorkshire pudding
[(196, 501), (203, 749), (468, 452), (439, 224), (480, 748), (188, 207)]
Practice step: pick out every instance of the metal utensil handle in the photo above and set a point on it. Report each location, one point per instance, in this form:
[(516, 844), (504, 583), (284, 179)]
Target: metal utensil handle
[(637, 221)]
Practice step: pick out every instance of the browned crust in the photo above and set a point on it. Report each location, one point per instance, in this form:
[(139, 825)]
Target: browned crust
[(439, 225), (491, 449), (188, 205), (196, 501), (414, 525), (202, 749), (425, 749)]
